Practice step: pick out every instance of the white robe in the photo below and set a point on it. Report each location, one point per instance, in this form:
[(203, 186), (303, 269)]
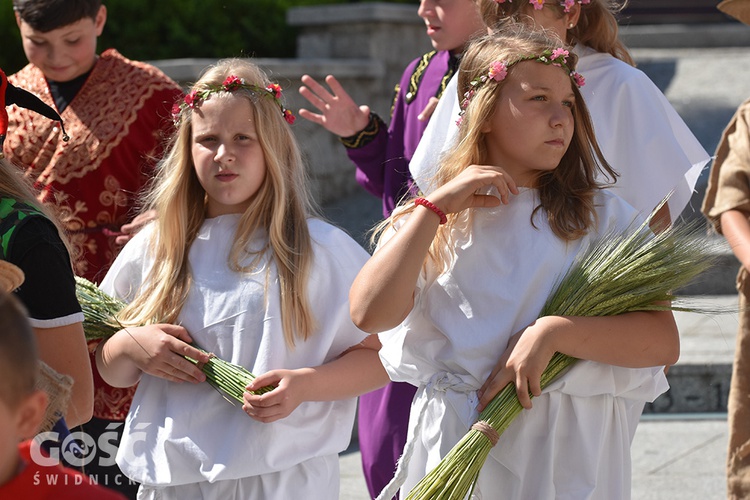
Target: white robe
[(641, 135), (183, 434), (575, 441)]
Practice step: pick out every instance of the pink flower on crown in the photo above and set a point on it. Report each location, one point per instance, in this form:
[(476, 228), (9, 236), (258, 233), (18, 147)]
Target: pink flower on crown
[(560, 52), (578, 79), (585, 2), (232, 83), (289, 117), (498, 71), (538, 4), (275, 89), (192, 99), (567, 4)]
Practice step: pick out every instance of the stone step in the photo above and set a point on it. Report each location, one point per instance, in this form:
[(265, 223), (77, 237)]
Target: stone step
[(699, 382)]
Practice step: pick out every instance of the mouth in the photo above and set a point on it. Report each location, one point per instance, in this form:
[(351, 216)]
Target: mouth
[(226, 176), (431, 28), (556, 143)]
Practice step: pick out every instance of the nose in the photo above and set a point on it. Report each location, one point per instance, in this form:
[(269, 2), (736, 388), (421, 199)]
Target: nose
[(561, 116), (425, 6), (223, 155)]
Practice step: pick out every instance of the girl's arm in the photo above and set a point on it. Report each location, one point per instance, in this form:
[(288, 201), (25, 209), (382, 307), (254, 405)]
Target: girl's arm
[(736, 228), (633, 340), (64, 349), (382, 294), (355, 372), (154, 349)]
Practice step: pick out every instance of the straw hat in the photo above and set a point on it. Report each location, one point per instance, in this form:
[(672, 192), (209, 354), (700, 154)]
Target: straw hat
[(738, 9), (11, 276)]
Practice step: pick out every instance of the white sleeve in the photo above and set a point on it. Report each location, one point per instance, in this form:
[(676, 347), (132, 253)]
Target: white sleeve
[(438, 138), (643, 138)]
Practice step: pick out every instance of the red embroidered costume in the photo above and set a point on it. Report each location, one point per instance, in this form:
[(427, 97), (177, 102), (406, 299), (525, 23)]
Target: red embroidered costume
[(118, 124)]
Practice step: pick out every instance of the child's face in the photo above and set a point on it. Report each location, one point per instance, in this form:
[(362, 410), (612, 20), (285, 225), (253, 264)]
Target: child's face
[(64, 53), (532, 125), (450, 23), (228, 158)]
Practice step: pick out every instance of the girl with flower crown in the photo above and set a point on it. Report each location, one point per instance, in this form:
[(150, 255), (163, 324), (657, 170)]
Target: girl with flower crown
[(458, 279), (640, 133), (239, 264)]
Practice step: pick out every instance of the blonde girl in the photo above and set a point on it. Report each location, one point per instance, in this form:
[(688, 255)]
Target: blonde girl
[(459, 278), (639, 131), (238, 263)]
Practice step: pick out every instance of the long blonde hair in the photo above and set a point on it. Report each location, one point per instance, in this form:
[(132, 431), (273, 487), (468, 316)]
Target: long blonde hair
[(281, 208), (596, 28), (566, 194)]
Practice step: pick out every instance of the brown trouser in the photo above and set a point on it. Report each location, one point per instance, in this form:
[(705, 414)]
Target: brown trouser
[(738, 407)]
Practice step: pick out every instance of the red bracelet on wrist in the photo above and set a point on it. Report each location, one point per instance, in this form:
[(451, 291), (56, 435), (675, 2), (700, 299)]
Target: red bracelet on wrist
[(428, 204)]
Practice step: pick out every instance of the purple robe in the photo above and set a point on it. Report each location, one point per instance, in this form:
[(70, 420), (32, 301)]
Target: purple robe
[(383, 170), (383, 163)]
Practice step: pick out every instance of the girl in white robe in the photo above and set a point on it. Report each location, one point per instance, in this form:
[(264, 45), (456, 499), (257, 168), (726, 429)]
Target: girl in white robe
[(459, 278), (237, 263), (638, 130)]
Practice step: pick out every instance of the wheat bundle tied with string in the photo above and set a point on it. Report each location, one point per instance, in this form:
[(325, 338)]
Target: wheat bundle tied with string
[(633, 270), (100, 322)]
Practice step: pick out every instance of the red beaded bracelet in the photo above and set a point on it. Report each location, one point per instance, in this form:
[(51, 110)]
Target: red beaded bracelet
[(428, 204)]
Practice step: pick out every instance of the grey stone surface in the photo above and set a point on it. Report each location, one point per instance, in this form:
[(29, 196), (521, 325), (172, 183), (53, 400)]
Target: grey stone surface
[(677, 458)]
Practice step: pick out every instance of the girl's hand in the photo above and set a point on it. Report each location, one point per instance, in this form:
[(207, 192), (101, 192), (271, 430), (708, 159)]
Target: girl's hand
[(523, 362), (280, 402), (462, 191), (339, 113), (160, 349)]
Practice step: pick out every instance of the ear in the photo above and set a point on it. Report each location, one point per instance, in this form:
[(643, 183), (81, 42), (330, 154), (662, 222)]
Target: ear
[(572, 17), (100, 20), (18, 20), (30, 414)]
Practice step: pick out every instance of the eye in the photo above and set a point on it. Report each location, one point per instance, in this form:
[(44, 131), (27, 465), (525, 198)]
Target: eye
[(569, 104), (206, 139), (539, 98), (73, 42)]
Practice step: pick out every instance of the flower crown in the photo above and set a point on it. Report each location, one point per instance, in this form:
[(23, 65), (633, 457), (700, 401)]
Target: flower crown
[(232, 83), (539, 4), (498, 70)]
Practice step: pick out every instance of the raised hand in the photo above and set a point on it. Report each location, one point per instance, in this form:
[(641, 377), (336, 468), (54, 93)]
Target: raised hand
[(338, 113), (468, 189)]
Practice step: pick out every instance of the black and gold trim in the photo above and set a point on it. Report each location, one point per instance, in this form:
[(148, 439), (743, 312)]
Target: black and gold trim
[(366, 135)]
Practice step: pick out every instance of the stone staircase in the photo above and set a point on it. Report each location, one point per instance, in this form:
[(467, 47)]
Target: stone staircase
[(699, 382)]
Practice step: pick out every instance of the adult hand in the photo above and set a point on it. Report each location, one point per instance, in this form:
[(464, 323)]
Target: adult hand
[(287, 395), (338, 113)]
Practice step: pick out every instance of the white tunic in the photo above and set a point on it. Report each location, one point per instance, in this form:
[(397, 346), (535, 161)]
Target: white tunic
[(177, 434), (641, 135), (575, 441)]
